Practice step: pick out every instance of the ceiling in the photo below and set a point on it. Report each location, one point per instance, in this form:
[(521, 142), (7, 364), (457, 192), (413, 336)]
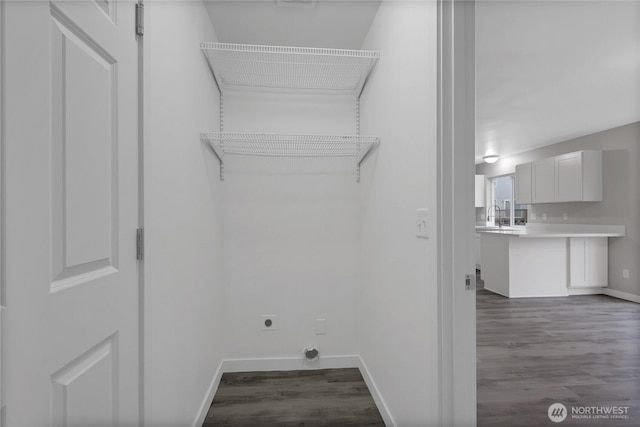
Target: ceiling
[(330, 24), (546, 71), (550, 71)]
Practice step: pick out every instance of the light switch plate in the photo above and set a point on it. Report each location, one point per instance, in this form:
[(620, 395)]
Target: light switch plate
[(422, 221)]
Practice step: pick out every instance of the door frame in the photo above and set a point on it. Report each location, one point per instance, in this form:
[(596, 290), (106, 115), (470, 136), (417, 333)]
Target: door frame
[(2, 202), (143, 318), (456, 212), (456, 111)]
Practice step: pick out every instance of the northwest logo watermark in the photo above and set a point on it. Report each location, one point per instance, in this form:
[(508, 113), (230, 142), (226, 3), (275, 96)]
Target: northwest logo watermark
[(557, 412)]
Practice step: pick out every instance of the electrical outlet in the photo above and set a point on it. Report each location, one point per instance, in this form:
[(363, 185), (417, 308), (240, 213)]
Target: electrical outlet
[(321, 326), (544, 216), (565, 216), (482, 216), (533, 216), (268, 322), (625, 273)]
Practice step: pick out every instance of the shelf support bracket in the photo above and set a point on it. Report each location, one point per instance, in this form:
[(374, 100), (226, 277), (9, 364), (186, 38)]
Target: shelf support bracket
[(218, 150)]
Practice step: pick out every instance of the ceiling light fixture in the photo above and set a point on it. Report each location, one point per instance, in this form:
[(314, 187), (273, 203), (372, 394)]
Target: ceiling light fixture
[(492, 158)]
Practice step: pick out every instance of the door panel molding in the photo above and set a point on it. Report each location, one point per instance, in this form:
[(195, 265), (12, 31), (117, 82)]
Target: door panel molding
[(108, 7), (84, 162), (71, 405)]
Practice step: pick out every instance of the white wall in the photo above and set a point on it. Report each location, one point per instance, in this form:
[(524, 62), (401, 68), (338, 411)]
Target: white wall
[(398, 304), (183, 210), (302, 239), (291, 231), (621, 195)]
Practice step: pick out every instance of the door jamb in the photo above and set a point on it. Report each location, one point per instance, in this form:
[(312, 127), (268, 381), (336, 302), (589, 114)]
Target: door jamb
[(142, 288), (2, 203), (456, 216)]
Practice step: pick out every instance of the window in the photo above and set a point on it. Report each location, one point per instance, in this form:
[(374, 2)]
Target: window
[(504, 209)]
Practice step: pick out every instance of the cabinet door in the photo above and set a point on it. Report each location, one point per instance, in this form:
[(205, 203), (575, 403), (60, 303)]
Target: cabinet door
[(543, 176), (588, 262), (523, 183), (480, 191), (597, 261), (569, 177)]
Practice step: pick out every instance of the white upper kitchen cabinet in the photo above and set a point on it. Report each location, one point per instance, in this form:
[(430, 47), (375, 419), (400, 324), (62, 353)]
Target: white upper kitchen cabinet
[(543, 181), (571, 177), (523, 183), (480, 191), (579, 177)]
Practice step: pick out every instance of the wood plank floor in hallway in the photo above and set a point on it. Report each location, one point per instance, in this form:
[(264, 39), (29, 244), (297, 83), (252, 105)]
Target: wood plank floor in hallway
[(578, 351), (325, 397)]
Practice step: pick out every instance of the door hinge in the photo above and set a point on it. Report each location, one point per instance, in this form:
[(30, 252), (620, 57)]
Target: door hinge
[(139, 244), (139, 19)]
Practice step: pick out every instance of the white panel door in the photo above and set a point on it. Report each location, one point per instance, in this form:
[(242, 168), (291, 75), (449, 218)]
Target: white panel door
[(543, 176), (71, 202), (569, 177)]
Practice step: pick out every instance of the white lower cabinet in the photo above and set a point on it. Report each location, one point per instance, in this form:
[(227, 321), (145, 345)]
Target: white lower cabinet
[(478, 251), (588, 262)]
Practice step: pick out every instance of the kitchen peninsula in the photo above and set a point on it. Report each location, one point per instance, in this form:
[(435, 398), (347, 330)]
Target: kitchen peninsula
[(546, 260)]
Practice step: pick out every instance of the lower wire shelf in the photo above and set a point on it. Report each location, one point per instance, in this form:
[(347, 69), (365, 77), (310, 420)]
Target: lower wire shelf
[(289, 145)]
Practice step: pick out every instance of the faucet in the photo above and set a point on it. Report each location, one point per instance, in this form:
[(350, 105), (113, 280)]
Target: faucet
[(494, 214)]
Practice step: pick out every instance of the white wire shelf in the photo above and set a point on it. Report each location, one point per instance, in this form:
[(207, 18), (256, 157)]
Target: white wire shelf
[(283, 67), (289, 145)]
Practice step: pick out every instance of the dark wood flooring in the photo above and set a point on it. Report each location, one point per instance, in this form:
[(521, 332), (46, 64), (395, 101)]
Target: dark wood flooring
[(578, 351), (325, 397)]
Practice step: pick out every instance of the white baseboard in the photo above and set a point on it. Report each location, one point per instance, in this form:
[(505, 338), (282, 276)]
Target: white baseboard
[(622, 295), (375, 393), (494, 291), (289, 363), (585, 291), (292, 364), (208, 399)]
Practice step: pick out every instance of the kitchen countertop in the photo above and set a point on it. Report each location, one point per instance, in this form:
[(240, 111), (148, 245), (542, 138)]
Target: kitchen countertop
[(556, 230)]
